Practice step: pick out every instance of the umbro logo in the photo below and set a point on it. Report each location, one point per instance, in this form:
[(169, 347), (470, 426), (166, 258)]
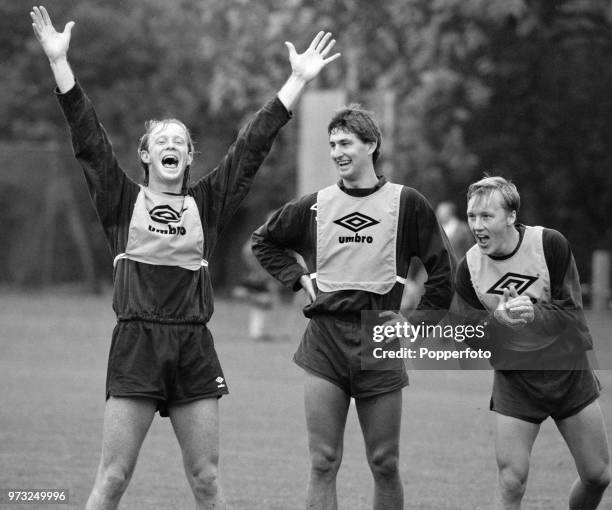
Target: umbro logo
[(165, 214), (356, 222), (220, 382), (520, 282)]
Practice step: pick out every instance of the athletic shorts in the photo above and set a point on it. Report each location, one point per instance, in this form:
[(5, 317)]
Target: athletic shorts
[(533, 395), (331, 349), (171, 363)]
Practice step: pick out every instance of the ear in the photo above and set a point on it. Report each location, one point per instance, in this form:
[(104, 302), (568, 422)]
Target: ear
[(371, 148), (145, 156), (190, 158), (511, 218)]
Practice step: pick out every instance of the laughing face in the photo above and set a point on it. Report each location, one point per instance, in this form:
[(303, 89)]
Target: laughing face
[(168, 154), (492, 224), (351, 156)]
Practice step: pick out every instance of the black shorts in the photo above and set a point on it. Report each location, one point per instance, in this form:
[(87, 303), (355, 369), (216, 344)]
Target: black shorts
[(534, 395), (332, 349), (171, 363)]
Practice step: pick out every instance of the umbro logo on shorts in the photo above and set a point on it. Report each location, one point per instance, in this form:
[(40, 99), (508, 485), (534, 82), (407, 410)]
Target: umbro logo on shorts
[(220, 382), (520, 282)]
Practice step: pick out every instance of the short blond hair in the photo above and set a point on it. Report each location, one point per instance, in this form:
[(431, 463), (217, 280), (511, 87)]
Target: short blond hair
[(511, 200)]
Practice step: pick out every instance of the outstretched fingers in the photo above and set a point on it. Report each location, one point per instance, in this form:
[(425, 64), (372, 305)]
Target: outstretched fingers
[(332, 58), (46, 16), (322, 41), (316, 40)]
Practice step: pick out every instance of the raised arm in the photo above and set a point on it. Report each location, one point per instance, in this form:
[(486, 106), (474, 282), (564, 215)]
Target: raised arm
[(55, 45), (221, 191), (107, 183), (305, 66)]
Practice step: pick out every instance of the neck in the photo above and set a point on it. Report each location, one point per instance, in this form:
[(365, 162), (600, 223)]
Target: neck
[(511, 242), (165, 187), (367, 180)]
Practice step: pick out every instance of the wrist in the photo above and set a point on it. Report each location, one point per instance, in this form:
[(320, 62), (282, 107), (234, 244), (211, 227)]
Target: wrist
[(296, 79), (58, 61)]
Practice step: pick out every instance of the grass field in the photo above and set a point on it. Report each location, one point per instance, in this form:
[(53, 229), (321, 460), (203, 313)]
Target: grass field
[(54, 347)]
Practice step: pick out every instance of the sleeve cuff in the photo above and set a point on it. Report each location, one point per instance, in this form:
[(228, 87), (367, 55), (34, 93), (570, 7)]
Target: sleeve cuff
[(72, 96), (277, 105)]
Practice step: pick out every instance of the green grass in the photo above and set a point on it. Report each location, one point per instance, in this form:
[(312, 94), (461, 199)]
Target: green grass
[(54, 348)]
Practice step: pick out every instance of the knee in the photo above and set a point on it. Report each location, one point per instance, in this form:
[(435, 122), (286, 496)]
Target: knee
[(204, 482), (598, 479), (384, 465), (512, 482), (114, 481), (325, 463)]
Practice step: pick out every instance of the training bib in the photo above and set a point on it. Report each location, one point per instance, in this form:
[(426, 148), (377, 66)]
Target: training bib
[(356, 239), (165, 230), (526, 270)]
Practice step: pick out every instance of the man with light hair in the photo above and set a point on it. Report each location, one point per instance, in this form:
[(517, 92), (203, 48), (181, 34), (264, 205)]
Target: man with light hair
[(521, 282), (161, 235)]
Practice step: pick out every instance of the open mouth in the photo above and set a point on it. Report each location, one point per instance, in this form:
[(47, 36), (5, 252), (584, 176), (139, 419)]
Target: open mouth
[(170, 161), (481, 239), (344, 163)]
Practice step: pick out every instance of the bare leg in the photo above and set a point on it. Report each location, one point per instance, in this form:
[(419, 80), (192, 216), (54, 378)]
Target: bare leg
[(126, 422), (514, 440), (585, 435), (326, 409), (196, 426), (380, 418)]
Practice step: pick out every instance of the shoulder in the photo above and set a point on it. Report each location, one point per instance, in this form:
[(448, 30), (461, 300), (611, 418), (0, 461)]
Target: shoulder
[(413, 199), (303, 203), (557, 251), (296, 210), (553, 239)]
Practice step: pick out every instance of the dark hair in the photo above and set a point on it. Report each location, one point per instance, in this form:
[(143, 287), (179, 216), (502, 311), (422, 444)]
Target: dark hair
[(489, 184), (143, 145), (360, 122)]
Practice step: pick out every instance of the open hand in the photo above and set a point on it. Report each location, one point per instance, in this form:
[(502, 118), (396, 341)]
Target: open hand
[(54, 44), (307, 65)]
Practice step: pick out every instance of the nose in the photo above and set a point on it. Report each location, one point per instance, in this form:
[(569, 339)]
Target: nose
[(476, 223)]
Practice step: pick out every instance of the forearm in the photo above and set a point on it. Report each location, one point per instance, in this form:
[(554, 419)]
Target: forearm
[(291, 91), (223, 189), (277, 261), (93, 150), (64, 77)]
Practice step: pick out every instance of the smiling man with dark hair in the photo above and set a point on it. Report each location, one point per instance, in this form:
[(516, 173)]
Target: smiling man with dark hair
[(357, 238)]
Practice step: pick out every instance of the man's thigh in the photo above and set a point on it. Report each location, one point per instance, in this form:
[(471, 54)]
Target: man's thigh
[(585, 435), (196, 425), (126, 422), (326, 406), (380, 418), (514, 440)]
